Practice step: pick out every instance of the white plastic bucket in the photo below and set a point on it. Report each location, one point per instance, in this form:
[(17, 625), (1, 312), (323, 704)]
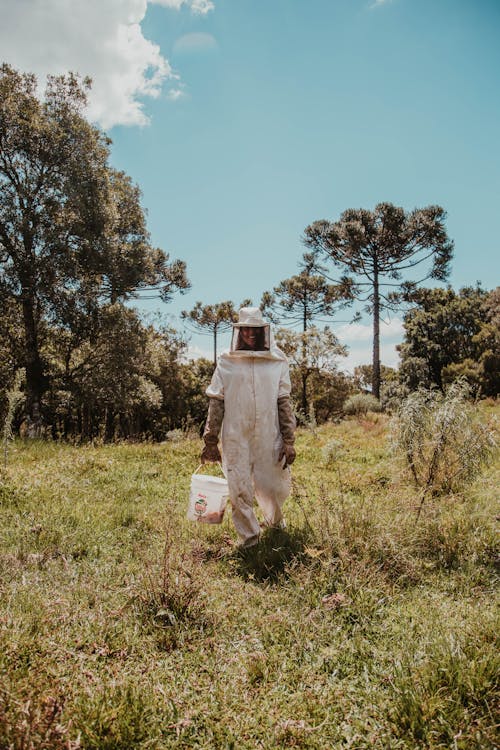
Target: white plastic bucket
[(207, 498)]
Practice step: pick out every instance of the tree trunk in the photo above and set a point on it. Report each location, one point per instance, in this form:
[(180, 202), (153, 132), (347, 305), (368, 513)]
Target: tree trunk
[(215, 347), (35, 380), (304, 394), (304, 371), (85, 422), (376, 334), (109, 425)]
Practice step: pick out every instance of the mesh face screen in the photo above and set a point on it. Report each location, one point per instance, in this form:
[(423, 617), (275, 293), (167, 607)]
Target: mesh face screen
[(258, 341)]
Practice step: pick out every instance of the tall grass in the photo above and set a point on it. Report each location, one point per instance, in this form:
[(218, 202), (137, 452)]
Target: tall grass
[(443, 440)]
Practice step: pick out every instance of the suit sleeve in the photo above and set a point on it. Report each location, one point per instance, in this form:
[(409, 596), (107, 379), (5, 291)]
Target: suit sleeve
[(216, 387), (285, 386)]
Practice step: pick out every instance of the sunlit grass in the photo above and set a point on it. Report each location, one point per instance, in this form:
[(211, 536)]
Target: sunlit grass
[(123, 625)]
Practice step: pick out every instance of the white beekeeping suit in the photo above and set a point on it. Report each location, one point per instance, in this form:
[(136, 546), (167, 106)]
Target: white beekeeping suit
[(250, 395)]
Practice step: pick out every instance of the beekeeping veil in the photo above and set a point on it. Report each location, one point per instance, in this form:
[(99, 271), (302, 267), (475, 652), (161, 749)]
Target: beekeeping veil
[(251, 317)]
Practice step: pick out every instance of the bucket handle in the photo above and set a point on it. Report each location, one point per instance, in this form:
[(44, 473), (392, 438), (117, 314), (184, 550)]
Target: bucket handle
[(200, 466)]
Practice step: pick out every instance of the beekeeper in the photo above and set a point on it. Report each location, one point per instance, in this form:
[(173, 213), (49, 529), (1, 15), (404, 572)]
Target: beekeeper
[(250, 399)]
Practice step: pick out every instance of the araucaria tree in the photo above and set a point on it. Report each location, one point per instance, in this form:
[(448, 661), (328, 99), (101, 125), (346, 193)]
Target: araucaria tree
[(301, 300), (306, 297), (212, 319), (72, 230), (378, 251)]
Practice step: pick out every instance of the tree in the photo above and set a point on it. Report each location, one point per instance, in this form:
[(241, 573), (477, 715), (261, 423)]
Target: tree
[(375, 248), (363, 376), (105, 378), (305, 297), (213, 319), (72, 232), (312, 353), (302, 299), (449, 334)]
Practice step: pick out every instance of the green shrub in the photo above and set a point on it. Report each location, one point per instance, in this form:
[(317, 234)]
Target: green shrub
[(361, 403), (443, 442)]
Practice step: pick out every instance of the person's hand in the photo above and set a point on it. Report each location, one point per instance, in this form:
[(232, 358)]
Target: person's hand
[(288, 453), (210, 454)]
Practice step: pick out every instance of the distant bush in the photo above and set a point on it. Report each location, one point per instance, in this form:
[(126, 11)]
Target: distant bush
[(361, 403), (441, 437), (392, 395), (174, 436)]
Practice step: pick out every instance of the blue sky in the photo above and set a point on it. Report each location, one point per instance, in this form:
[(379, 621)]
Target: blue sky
[(265, 115)]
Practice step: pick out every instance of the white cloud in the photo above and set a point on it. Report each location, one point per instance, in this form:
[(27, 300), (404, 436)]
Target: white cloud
[(195, 42), (358, 338), (364, 332), (200, 7), (362, 355), (379, 3), (176, 94), (102, 39), (197, 352)]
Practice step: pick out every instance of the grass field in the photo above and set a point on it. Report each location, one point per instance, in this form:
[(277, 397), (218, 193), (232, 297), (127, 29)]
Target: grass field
[(122, 625)]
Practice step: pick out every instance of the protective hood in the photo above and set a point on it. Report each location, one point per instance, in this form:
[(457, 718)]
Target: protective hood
[(251, 317)]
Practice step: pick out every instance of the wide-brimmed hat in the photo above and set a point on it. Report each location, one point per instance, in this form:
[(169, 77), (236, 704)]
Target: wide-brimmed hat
[(250, 316)]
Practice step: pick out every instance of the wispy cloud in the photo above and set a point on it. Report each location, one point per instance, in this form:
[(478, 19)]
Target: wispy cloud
[(200, 7), (195, 42), (102, 39), (379, 3), (175, 94), (197, 352)]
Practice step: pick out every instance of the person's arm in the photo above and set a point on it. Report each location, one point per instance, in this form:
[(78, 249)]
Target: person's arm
[(287, 428), (215, 393), (286, 417), (211, 453)]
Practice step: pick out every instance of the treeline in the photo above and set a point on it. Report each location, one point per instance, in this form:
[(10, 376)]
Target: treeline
[(74, 250)]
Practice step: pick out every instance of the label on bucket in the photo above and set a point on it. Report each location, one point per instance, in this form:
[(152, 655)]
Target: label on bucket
[(200, 504), (207, 499)]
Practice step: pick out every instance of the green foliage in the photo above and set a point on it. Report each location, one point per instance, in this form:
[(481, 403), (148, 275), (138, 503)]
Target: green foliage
[(442, 439), (363, 376), (361, 403), (313, 356), (392, 395), (118, 378), (450, 335), (73, 232)]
